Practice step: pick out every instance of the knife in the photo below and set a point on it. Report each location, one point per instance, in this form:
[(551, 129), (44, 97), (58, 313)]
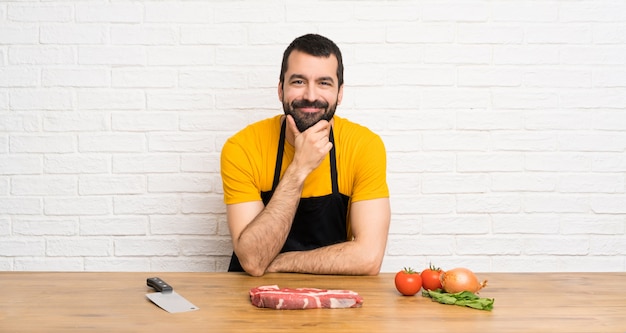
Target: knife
[(166, 298)]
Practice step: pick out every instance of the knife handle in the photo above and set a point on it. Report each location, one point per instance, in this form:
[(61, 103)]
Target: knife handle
[(158, 284)]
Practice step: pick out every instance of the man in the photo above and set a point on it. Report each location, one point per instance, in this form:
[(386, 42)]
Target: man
[(306, 191)]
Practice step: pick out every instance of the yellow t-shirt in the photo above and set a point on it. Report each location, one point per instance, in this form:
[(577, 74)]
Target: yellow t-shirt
[(249, 157)]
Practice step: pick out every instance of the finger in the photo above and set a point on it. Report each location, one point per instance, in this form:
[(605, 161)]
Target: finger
[(292, 125)]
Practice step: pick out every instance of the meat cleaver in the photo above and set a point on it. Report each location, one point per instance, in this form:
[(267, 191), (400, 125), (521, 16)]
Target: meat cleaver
[(166, 298)]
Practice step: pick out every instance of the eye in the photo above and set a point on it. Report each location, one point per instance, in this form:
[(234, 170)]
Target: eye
[(297, 82)]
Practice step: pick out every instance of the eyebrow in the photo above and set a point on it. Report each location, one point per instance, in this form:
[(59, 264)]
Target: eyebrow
[(300, 76)]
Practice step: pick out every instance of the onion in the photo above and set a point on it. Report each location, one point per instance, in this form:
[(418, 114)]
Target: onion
[(460, 279)]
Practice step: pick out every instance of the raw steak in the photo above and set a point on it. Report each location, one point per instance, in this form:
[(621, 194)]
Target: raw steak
[(274, 297)]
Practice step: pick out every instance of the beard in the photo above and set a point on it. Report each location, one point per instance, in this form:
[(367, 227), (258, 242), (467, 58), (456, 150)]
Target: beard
[(304, 120)]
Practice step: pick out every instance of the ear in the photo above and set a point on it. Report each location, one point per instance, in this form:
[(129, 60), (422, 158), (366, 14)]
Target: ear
[(340, 95), (280, 91)]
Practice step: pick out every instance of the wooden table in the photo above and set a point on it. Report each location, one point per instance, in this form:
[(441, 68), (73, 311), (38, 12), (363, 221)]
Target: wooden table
[(116, 302)]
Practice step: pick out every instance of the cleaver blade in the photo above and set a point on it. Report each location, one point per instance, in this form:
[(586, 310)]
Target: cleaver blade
[(166, 298)]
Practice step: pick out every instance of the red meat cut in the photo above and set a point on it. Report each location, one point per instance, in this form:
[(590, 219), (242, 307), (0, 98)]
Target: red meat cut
[(274, 297)]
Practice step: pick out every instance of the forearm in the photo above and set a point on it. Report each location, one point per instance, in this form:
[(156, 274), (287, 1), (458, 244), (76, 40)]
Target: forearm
[(262, 239), (347, 258)]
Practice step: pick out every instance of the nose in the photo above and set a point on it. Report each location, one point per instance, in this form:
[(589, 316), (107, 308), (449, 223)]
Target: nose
[(310, 93)]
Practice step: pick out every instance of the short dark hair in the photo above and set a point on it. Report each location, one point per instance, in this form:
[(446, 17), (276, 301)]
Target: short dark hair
[(315, 45)]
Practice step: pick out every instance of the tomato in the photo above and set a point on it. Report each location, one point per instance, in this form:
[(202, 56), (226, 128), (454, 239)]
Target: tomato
[(431, 278), (408, 282)]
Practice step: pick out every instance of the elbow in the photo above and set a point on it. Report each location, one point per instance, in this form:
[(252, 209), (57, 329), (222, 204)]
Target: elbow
[(371, 266), (252, 268)]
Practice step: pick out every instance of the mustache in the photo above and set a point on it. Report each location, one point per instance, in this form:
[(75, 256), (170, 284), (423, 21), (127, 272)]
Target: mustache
[(302, 103)]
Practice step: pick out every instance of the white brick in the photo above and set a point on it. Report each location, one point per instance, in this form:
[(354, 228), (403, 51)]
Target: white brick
[(20, 165), (607, 245), (456, 224), (19, 33), (43, 185), (405, 225), (154, 163), (424, 204), (113, 226), (609, 204), (526, 55), (488, 203), (76, 121), (444, 76), (110, 13), (609, 78), (190, 143), (42, 144), (451, 98), (267, 11), (438, 33), (524, 11), (593, 55), (183, 225), (205, 163), (214, 121), (109, 184), (179, 100), (431, 162), (213, 34), (392, 12), (79, 163), (75, 78), (480, 33), (112, 55), (193, 264), (556, 246), (5, 227), (41, 99), (564, 162), (558, 34), (400, 120), (486, 162), (73, 34), (182, 183), (559, 120), (456, 11), (455, 141), (144, 78), (524, 99), (224, 79), (524, 182), (183, 12), (111, 143), (146, 247), (593, 142), (52, 264), (144, 35), (77, 206), (257, 99), (524, 141), (592, 11), (455, 183), (180, 55), (203, 204), (489, 77), (458, 54), (609, 33), (591, 183), (591, 263), (558, 78), (489, 120), (22, 247), (18, 77), (484, 245), (206, 246), (146, 204), (546, 224), (556, 203), (39, 13), (42, 55), (592, 225), (609, 162), (105, 264), (420, 245), (38, 226), (144, 121), (71, 247)]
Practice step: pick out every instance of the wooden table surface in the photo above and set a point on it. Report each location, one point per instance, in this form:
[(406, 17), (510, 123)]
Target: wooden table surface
[(116, 302)]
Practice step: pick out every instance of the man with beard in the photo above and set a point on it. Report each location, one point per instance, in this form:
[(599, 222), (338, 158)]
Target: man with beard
[(306, 191)]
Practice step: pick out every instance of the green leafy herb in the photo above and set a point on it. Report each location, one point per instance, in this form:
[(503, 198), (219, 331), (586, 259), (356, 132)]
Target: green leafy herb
[(464, 298)]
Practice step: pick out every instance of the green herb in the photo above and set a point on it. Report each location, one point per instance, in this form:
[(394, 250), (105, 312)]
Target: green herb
[(464, 298)]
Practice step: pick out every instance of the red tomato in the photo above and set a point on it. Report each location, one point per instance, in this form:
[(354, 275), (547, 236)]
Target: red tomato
[(408, 282), (431, 278)]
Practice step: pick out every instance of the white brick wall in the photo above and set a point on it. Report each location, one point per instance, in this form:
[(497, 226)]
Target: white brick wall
[(504, 123)]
